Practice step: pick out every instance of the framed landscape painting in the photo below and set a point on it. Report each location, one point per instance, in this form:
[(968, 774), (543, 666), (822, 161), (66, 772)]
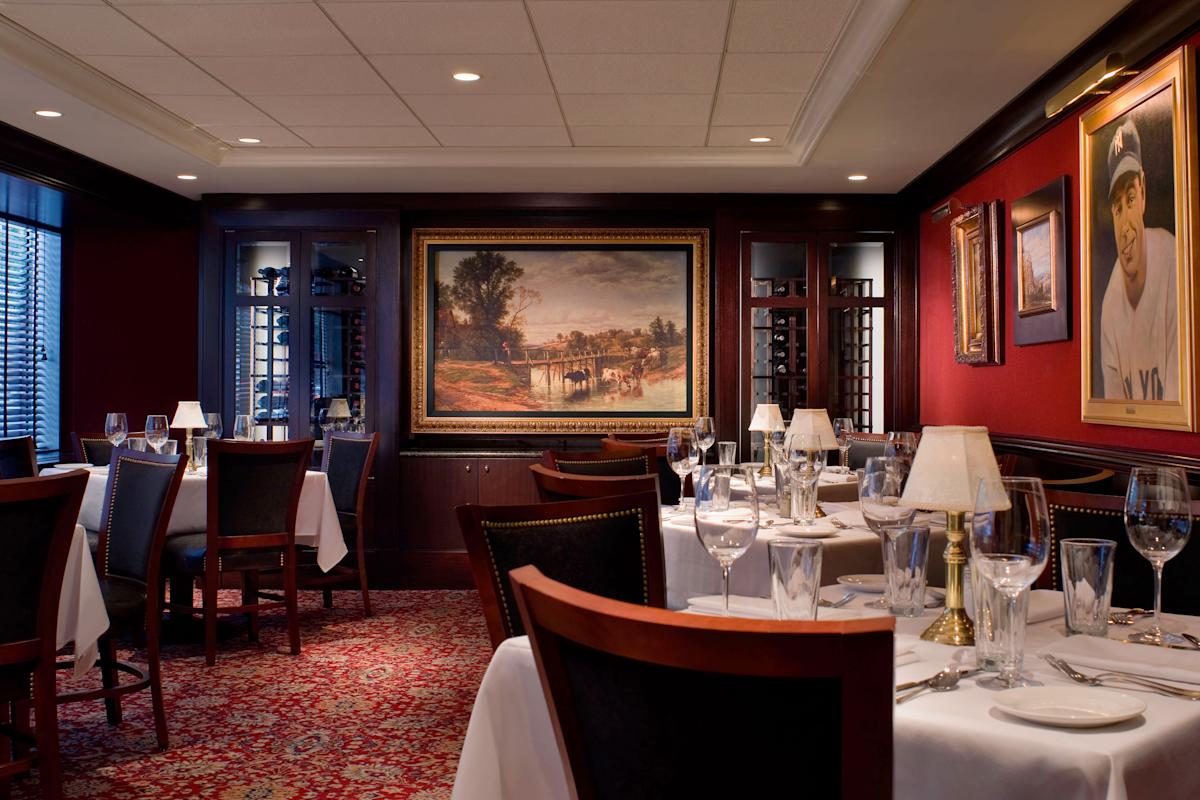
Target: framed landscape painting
[(1041, 300), (558, 330)]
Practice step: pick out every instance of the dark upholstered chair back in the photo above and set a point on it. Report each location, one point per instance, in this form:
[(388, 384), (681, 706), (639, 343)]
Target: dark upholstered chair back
[(611, 546), (668, 481), (614, 461), (633, 692), (554, 486), (254, 487), (37, 522), (864, 446), (18, 458), (659, 437), (347, 460), (141, 494)]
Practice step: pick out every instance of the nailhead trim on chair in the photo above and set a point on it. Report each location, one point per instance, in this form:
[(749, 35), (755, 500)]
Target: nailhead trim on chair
[(623, 460), (1052, 507), (116, 479)]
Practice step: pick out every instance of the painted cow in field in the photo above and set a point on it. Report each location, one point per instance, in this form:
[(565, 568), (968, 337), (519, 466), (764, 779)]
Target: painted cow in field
[(616, 378), (655, 356), (577, 377)]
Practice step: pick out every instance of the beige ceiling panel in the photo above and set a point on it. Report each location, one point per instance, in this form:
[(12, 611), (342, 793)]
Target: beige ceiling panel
[(295, 74), (650, 74), (86, 30), (433, 74), (336, 110), (756, 109), (389, 136), (630, 26), (638, 135), (787, 26), (157, 74), (206, 110), (485, 109), (636, 109), (739, 136), (491, 26), (508, 136), (770, 72), (215, 29), (271, 135)]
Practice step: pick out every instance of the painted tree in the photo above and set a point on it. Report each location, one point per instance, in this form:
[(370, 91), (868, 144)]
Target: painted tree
[(483, 288)]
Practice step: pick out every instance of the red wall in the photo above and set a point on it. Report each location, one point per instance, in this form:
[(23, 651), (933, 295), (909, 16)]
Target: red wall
[(1036, 392)]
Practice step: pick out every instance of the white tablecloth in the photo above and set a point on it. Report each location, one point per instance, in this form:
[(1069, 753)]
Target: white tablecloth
[(948, 745), (316, 518), (81, 615)]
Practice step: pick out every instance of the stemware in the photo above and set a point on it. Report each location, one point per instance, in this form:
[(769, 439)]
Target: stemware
[(806, 460), (157, 431), (681, 449), (243, 430), (215, 428), (1010, 537), (726, 528), (1158, 521), (116, 428), (706, 435), (842, 428), (902, 445), (879, 500)]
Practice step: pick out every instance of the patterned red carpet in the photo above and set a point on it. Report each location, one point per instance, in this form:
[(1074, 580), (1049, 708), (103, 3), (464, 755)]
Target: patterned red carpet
[(372, 708)]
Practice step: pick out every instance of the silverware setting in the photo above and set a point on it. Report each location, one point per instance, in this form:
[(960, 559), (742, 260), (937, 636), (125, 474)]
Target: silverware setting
[(1127, 617), (1119, 678), (943, 681), (841, 601), (1195, 640)]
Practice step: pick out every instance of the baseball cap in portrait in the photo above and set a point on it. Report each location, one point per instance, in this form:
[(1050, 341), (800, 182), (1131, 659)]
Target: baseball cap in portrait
[(1124, 154)]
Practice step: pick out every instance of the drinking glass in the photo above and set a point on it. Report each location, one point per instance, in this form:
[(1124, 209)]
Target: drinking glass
[(136, 443), (214, 429), (987, 607), (726, 533), (795, 577), (902, 445), (842, 428), (705, 436), (116, 428), (1158, 520), (200, 451), (1010, 536), (169, 447), (905, 563), (681, 447), (806, 459), (879, 500), (156, 431), (243, 429), (726, 453), (1087, 573)]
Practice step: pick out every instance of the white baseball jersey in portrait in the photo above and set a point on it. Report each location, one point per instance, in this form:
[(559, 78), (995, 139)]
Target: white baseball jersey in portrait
[(1139, 347)]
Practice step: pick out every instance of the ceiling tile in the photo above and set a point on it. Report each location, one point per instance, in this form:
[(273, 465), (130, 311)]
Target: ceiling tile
[(638, 135), (336, 110), (228, 30), (295, 74), (739, 136), (636, 109), (756, 109), (484, 109), (86, 30), (271, 135), (387, 136), (205, 110), (508, 136), (651, 74), (630, 26), (787, 26), (157, 74), (433, 74), (770, 72), (490, 26)]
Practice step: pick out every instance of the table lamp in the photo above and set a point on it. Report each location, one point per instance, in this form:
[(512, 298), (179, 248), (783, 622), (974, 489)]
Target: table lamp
[(945, 475), (339, 412), (814, 421), (766, 419), (189, 416)]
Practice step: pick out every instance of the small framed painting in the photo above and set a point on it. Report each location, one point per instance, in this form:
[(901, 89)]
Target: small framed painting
[(975, 247), (1041, 271)]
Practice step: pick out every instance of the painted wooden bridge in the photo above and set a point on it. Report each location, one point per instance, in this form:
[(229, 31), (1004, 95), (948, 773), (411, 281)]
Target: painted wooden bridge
[(547, 366)]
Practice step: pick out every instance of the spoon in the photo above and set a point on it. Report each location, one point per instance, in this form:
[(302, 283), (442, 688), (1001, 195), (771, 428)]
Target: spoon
[(943, 681), (1193, 639)]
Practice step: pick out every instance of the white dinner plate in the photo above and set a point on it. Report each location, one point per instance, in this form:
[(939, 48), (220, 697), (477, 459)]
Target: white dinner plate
[(874, 584), (801, 531), (1069, 706), (72, 466)]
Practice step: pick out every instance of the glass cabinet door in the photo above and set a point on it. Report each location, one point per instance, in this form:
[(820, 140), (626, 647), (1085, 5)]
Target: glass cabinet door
[(856, 281), (338, 370)]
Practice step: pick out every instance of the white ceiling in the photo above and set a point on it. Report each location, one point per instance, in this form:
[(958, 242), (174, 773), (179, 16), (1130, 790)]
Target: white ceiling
[(576, 95)]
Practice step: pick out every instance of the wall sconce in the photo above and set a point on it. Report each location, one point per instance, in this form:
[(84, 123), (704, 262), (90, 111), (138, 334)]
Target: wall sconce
[(1088, 83), (952, 206)]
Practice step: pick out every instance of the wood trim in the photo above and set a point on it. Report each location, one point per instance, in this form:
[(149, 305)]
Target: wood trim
[(1089, 455)]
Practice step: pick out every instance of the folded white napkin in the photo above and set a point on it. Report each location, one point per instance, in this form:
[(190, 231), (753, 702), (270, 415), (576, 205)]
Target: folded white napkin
[(1045, 604), (1098, 653)]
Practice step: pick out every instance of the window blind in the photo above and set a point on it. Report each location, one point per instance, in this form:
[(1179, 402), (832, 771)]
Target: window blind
[(30, 292)]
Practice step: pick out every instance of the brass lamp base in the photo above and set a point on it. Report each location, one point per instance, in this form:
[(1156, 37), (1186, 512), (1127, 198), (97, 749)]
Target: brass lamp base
[(766, 470), (820, 513), (953, 627)]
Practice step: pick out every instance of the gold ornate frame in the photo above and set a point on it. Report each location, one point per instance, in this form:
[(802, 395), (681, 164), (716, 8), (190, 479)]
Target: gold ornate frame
[(975, 247), (423, 419), (1025, 309), (1176, 72)]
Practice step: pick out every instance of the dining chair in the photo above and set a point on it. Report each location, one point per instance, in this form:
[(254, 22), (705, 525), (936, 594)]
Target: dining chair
[(864, 446), (346, 459), (95, 448), (612, 461), (1007, 464), (37, 524), (608, 545), (648, 703), (139, 498), (253, 494), (18, 458), (646, 436), (555, 486), (656, 450)]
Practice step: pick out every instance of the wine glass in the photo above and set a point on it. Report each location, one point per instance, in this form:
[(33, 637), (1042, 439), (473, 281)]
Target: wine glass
[(879, 500), (706, 435), (116, 428), (726, 527), (903, 445), (157, 431), (806, 459), (243, 429), (1158, 520), (1010, 538), (215, 428), (681, 449), (842, 428)]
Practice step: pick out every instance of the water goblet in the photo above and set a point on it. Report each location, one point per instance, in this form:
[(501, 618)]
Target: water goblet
[(157, 431), (214, 429), (806, 460), (681, 448), (1158, 521), (842, 428), (726, 532), (116, 428), (902, 445), (706, 435), (879, 493), (243, 429)]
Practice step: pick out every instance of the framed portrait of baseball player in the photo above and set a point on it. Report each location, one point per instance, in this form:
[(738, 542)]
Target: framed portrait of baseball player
[(1137, 238)]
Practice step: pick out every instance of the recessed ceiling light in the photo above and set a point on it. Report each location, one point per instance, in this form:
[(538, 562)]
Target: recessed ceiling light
[(249, 140), (186, 177), (760, 139), (856, 177), (466, 77), (46, 112)]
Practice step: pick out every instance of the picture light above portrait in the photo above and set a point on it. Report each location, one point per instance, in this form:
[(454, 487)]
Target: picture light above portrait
[(1088, 83)]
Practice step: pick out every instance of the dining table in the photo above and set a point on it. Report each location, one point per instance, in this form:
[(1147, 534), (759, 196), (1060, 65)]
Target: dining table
[(82, 618), (946, 744)]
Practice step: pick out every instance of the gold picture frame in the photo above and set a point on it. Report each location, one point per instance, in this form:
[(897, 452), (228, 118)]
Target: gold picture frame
[(1138, 181), (1037, 265), (601, 330), (975, 249)]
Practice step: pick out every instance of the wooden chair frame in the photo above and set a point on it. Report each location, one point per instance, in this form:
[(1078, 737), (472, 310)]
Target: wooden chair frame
[(553, 485), (552, 458)]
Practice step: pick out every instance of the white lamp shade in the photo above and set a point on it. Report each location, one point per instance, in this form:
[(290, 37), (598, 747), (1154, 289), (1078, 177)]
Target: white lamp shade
[(814, 421), (188, 414), (766, 418), (950, 462), (338, 409)]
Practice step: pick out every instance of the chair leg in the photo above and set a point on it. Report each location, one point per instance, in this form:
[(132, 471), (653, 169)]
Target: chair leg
[(110, 678), (45, 709), (6, 755), (250, 588), (181, 594), (289, 597), (21, 709), (327, 596), (362, 582), (211, 576), (154, 667)]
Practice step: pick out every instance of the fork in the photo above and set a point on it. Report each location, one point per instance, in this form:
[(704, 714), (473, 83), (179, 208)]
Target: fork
[(841, 601), (1099, 679)]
